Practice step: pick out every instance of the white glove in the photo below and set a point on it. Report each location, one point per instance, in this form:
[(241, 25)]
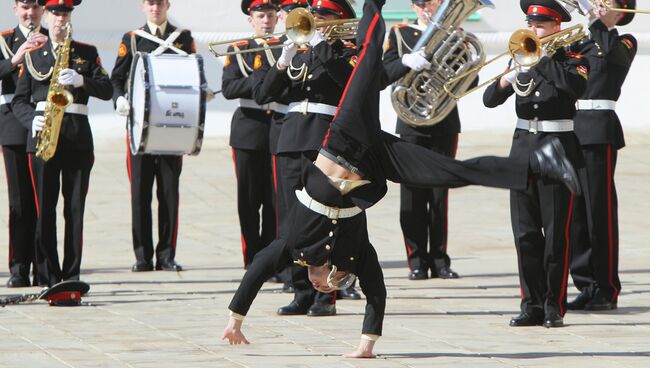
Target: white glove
[(289, 50), (318, 38), (122, 106), (69, 77), (416, 61), (511, 76), (37, 124)]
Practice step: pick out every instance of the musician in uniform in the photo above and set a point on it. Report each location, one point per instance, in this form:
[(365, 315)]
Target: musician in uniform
[(594, 262), (328, 233), (14, 43), (541, 213), (69, 168), (312, 79), (156, 36), (249, 130), (423, 212)]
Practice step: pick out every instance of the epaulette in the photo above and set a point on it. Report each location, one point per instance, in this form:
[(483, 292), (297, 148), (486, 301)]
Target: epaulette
[(130, 33), (272, 40), (400, 25), (575, 55), (350, 46), (303, 49), (37, 47), (240, 43), (629, 41), (9, 31)]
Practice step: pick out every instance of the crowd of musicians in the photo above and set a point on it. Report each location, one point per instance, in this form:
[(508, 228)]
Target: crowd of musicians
[(307, 125)]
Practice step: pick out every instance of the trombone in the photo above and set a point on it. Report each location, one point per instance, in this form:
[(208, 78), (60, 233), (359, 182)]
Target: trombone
[(301, 27), (525, 49), (573, 4)]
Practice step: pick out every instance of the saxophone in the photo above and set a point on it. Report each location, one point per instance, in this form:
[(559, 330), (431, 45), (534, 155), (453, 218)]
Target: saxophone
[(58, 98), (419, 97)]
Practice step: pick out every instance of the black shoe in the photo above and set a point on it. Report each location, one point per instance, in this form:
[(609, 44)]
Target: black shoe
[(321, 310), (349, 293), (525, 319), (418, 274), (142, 266), (444, 273), (287, 287), (553, 320), (293, 309), (580, 301), (18, 281), (554, 164), (168, 266), (600, 303)]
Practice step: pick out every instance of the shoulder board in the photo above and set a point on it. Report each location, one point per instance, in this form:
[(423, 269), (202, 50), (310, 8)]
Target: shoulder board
[(273, 40), (400, 25), (575, 55), (629, 41), (350, 46), (9, 31), (240, 43), (303, 49), (130, 33), (37, 47)]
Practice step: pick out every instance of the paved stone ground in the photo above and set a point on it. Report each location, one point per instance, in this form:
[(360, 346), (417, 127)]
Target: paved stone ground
[(161, 319)]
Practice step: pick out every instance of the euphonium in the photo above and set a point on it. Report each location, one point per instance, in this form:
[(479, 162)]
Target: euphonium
[(419, 98), (58, 98)]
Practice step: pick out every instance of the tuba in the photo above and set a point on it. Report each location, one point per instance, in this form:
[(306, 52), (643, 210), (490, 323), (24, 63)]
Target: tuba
[(58, 98), (419, 97)]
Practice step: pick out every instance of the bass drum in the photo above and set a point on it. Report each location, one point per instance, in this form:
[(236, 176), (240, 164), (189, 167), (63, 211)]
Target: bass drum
[(167, 94)]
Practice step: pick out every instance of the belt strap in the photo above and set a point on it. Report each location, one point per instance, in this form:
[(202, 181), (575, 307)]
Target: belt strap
[(596, 105), (306, 107), (327, 211), (273, 106), (549, 126), (6, 99), (78, 109)]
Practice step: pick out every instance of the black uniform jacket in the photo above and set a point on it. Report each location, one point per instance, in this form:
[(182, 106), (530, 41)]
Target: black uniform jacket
[(395, 48), (610, 56), (75, 130), (249, 127), (12, 132), (125, 54), (328, 68)]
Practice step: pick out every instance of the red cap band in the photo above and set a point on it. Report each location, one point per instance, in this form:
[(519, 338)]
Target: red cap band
[(66, 3), (293, 2), (332, 6), (542, 10), (259, 3), (64, 296)]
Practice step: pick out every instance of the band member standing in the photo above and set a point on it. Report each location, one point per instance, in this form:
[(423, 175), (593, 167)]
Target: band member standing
[(144, 169), (14, 43), (541, 214), (69, 168), (249, 131), (423, 212), (313, 79), (329, 231), (594, 263)]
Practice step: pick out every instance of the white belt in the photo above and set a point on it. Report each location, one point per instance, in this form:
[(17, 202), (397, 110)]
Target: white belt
[(6, 99), (327, 211), (596, 105), (273, 106), (78, 109), (306, 107), (534, 126)]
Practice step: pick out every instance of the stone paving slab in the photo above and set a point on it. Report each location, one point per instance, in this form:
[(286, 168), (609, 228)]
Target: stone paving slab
[(162, 319)]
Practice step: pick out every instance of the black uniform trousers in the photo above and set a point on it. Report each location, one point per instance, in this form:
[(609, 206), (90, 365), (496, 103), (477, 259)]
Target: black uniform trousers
[(254, 192), (69, 172), (541, 217), (22, 210), (166, 171), (594, 250), (289, 166), (423, 213)]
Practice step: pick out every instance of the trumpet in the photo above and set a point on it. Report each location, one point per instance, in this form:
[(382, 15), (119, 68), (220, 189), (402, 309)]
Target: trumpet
[(525, 49), (300, 27), (572, 5)]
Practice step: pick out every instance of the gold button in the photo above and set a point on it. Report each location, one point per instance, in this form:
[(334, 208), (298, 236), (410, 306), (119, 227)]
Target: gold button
[(537, 93), (331, 233), (302, 254), (334, 222), (351, 258), (310, 76), (268, 112), (328, 247)]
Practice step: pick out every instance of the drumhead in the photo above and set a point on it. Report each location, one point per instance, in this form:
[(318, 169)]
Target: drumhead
[(139, 100)]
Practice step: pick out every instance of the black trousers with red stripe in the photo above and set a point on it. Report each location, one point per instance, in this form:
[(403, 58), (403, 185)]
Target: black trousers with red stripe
[(423, 212), (69, 172), (166, 171), (594, 248), (22, 210), (255, 194), (289, 170)]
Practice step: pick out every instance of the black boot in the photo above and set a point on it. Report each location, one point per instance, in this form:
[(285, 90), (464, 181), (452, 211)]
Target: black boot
[(550, 161)]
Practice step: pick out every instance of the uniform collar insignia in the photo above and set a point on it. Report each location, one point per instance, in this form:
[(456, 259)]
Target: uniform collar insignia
[(178, 45), (79, 60)]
